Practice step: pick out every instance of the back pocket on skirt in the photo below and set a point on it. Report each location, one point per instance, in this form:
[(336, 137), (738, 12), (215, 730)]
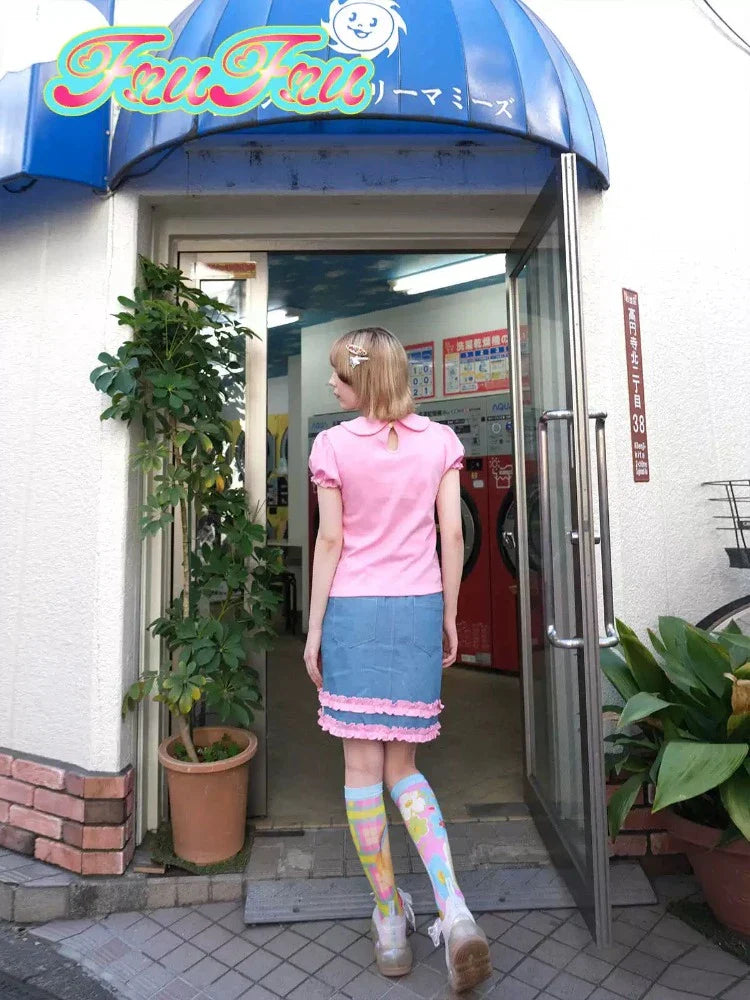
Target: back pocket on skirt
[(354, 620), (428, 623)]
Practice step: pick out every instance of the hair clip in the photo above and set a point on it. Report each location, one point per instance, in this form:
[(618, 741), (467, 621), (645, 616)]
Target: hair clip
[(357, 355)]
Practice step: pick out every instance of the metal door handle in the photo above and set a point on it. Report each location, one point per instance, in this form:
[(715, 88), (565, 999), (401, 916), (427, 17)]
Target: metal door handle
[(545, 513), (611, 637)]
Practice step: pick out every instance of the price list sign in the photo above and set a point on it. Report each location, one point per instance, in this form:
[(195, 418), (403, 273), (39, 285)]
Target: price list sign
[(476, 363), (422, 369), (636, 391)]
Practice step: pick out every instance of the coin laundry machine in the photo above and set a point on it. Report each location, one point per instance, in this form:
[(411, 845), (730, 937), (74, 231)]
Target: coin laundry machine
[(486, 620)]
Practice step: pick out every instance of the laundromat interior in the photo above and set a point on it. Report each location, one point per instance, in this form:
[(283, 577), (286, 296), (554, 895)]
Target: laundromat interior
[(456, 340)]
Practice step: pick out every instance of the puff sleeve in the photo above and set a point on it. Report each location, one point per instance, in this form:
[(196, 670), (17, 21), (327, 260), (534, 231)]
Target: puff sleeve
[(323, 468), (454, 450)]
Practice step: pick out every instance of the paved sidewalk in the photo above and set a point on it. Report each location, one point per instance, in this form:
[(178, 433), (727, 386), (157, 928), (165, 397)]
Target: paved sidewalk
[(208, 953), (33, 969)]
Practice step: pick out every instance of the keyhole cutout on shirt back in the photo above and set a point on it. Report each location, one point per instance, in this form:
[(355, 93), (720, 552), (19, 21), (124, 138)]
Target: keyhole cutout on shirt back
[(392, 438)]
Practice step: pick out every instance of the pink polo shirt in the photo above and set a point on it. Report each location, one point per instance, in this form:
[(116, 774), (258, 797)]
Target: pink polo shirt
[(388, 501)]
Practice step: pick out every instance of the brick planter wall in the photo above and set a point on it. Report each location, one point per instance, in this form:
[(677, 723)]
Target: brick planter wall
[(644, 838), (66, 816)]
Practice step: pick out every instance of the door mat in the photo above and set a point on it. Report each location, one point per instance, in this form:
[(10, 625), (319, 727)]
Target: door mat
[(523, 887), (698, 915)]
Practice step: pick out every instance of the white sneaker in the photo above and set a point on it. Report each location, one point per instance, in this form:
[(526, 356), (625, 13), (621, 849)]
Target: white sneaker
[(467, 953), (392, 950)]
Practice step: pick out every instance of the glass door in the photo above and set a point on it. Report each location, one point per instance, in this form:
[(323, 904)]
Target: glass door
[(558, 620)]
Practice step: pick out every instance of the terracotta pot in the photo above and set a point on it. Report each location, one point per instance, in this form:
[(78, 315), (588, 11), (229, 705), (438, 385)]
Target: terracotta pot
[(208, 802), (723, 872)]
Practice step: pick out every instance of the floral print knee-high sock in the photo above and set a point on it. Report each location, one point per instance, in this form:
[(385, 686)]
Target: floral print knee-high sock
[(365, 810), (424, 821)]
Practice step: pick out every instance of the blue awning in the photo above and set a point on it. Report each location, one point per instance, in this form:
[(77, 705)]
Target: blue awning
[(35, 142), (491, 65), (487, 64)]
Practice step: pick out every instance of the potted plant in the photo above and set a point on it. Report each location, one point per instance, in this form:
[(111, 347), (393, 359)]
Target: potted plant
[(685, 729), (177, 379)]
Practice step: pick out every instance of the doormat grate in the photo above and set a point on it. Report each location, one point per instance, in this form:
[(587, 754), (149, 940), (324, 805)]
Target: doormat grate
[(536, 887), (505, 810)]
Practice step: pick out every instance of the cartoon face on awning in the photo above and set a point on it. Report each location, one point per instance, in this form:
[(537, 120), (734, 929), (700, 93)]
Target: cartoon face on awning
[(364, 29)]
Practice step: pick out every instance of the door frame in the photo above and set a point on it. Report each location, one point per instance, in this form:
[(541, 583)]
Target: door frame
[(170, 236)]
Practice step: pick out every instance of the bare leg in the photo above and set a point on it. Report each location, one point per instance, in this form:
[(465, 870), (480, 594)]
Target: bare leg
[(363, 760), (399, 762)]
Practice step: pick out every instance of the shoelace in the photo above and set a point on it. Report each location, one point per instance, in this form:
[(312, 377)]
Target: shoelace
[(435, 930), (406, 904), (408, 908), (438, 927)]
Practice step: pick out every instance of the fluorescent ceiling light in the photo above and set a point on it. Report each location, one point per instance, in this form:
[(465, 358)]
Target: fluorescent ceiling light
[(281, 317), (488, 266)]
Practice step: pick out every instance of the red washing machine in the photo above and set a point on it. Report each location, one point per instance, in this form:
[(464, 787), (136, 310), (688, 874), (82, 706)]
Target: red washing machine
[(503, 582), (505, 551), (474, 618)]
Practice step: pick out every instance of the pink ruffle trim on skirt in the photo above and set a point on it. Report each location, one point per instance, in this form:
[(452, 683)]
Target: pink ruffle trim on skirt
[(381, 706), (367, 731)]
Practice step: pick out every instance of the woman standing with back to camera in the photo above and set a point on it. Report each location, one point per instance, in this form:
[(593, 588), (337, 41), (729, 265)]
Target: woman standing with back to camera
[(383, 627)]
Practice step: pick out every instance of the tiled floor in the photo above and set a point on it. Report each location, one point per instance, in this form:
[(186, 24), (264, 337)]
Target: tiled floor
[(208, 953)]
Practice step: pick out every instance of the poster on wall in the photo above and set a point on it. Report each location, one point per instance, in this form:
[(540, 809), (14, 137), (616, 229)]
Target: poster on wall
[(422, 369), (476, 363)]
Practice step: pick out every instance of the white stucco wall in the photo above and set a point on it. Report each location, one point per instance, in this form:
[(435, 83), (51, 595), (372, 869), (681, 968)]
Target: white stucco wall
[(673, 94), (68, 591), (278, 394)]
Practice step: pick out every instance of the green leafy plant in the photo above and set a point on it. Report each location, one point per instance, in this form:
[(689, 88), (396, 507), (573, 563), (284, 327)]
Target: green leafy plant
[(176, 378), (684, 726)]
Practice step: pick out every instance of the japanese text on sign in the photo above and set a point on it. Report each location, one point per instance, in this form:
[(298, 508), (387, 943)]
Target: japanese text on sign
[(636, 390), (476, 363)]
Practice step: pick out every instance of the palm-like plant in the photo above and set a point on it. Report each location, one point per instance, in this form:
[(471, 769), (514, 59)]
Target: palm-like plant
[(175, 378), (685, 724)]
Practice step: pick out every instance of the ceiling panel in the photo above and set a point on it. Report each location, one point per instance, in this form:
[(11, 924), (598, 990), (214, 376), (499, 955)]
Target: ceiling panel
[(327, 286)]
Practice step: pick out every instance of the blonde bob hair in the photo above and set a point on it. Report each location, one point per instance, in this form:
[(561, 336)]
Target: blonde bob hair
[(381, 384)]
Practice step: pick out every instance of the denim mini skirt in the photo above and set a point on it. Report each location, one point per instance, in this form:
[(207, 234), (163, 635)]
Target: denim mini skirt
[(382, 667)]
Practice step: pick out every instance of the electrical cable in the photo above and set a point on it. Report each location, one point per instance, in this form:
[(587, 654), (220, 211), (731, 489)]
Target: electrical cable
[(738, 38)]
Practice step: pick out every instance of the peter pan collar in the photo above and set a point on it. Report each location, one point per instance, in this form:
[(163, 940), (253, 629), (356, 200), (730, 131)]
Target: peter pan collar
[(364, 427)]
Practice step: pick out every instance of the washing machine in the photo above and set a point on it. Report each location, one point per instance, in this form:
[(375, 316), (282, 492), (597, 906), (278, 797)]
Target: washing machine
[(506, 537), (474, 618), (503, 582)]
